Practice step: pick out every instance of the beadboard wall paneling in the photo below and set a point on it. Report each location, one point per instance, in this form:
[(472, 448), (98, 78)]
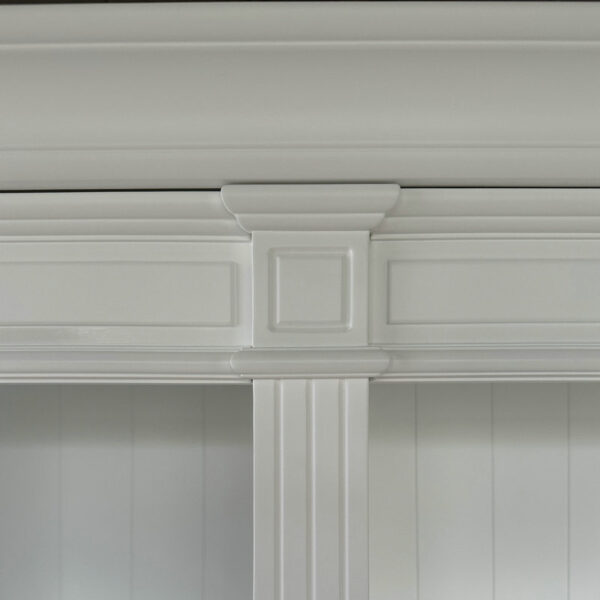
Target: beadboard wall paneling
[(584, 499), (484, 491), (125, 492)]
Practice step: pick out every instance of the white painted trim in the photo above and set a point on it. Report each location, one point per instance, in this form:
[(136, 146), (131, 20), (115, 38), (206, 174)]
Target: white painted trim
[(115, 365), (349, 207), (427, 213), (116, 215), (409, 364), (316, 362), (541, 245), (198, 96), (477, 362), (311, 489)]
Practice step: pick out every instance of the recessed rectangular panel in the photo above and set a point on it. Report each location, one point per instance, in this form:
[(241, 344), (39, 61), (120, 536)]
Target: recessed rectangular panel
[(496, 290), (310, 288), (114, 292)]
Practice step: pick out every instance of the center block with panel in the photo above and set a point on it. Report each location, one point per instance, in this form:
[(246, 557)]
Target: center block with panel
[(310, 260)]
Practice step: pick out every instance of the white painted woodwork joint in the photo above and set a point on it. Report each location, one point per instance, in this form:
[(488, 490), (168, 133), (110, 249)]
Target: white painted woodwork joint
[(316, 363)]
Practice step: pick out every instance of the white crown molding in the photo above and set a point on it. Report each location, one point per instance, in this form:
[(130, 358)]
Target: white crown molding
[(349, 207), (492, 212), (202, 95), (116, 214)]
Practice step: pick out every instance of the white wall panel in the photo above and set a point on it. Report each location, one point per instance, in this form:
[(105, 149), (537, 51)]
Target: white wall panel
[(497, 291), (392, 492), (454, 491), (119, 293), (125, 492), (168, 490), (30, 492), (584, 503), (508, 501), (227, 509), (96, 495), (530, 491)]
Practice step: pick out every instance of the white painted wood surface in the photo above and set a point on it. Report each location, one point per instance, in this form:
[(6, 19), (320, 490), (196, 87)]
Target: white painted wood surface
[(202, 94), (457, 291), (120, 293), (481, 490), (310, 489), (125, 492)]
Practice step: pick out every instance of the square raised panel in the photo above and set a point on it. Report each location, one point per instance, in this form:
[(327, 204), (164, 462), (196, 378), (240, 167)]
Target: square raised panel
[(309, 288)]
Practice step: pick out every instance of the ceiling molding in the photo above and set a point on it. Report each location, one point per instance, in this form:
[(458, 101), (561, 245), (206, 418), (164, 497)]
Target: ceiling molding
[(203, 95), (136, 215), (492, 212)]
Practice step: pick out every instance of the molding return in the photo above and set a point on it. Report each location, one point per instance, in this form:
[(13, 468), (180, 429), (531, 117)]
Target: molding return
[(309, 363), (346, 207)]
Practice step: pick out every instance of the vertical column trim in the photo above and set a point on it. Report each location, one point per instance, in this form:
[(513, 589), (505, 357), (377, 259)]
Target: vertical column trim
[(310, 489)]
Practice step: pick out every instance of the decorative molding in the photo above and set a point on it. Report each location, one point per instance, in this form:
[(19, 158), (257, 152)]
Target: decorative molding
[(290, 271), (493, 291), (383, 23), (463, 283), (310, 288), (311, 489), (60, 364), (492, 212), (316, 362), (127, 215), (467, 362), (484, 362), (351, 207), (202, 95), (113, 293)]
